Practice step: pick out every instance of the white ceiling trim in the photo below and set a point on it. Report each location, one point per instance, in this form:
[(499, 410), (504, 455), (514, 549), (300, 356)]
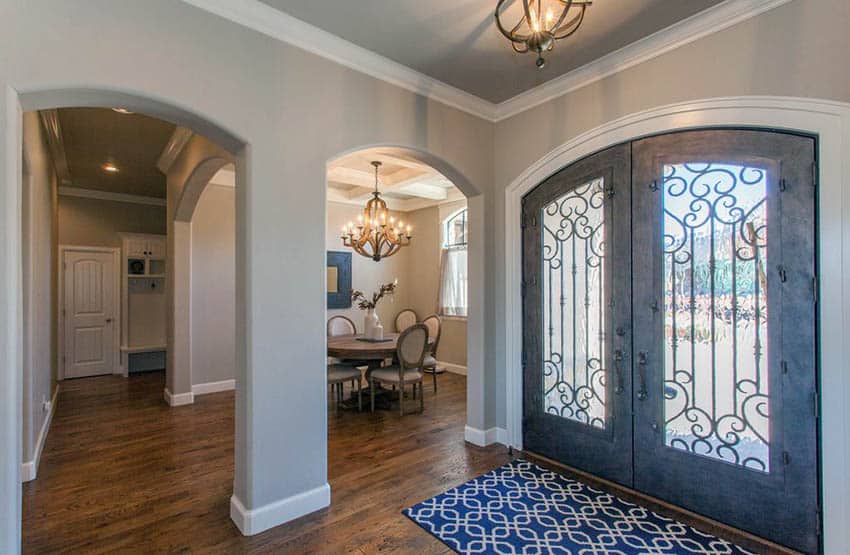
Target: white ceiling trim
[(684, 32), (276, 24), (106, 195), (56, 144), (279, 25), (173, 148)]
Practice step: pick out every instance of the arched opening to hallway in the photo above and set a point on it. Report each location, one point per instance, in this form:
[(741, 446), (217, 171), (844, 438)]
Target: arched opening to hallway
[(99, 263)]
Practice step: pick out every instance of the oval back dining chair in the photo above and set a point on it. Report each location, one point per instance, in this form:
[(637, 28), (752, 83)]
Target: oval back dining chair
[(435, 329), (411, 351), (405, 319), (341, 325)]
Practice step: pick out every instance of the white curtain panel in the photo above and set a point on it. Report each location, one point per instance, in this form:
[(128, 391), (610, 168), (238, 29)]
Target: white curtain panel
[(453, 282)]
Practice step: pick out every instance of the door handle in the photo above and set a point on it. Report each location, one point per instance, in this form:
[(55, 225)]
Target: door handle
[(109, 320), (642, 394), (618, 370)]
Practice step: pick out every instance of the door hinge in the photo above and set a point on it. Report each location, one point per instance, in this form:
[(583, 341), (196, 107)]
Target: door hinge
[(783, 184), (814, 174), (783, 275), (783, 364), (816, 404), (786, 458), (815, 289)]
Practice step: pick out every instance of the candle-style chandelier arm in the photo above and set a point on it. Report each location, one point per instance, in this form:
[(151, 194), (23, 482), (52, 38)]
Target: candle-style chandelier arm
[(571, 26), (512, 34), (376, 235)]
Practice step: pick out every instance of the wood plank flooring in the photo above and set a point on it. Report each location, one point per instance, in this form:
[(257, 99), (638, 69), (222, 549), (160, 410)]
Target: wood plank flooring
[(124, 473)]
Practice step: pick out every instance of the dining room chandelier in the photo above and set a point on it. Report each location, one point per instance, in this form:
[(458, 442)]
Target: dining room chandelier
[(376, 235), (542, 23)]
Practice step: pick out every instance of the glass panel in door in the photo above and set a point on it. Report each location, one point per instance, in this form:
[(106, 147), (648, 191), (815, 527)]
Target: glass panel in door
[(724, 319), (576, 338)]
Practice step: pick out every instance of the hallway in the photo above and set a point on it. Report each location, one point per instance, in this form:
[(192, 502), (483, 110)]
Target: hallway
[(121, 471)]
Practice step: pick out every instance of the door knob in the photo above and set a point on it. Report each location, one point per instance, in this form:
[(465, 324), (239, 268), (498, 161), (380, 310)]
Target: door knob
[(109, 320)]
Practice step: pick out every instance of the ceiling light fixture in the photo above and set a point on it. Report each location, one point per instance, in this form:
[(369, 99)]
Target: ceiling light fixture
[(542, 23), (122, 110), (110, 167), (376, 234)]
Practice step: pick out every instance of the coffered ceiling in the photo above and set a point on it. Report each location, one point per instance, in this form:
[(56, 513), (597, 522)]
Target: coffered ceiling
[(93, 138), (405, 184), (456, 41)]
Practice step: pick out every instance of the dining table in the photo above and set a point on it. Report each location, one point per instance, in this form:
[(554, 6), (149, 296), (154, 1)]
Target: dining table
[(372, 353)]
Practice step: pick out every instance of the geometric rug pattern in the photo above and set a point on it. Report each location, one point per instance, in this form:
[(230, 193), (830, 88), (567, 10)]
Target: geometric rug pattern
[(524, 509)]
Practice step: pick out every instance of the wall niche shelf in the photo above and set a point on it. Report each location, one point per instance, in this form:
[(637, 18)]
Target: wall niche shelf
[(143, 302)]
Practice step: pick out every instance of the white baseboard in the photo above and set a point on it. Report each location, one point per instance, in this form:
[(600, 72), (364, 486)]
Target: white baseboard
[(453, 368), (175, 400), (483, 438), (257, 520), (213, 387), (29, 469)]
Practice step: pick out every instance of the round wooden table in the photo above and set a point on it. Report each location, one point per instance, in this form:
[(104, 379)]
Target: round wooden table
[(351, 348)]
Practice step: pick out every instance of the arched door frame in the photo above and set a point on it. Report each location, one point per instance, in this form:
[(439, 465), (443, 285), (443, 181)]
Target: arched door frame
[(475, 379), (830, 121), (18, 101)]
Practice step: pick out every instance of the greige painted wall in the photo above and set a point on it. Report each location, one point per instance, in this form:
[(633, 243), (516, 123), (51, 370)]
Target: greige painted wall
[(213, 286), (366, 274), (294, 111), (96, 223), (39, 306), (799, 49), (424, 277)]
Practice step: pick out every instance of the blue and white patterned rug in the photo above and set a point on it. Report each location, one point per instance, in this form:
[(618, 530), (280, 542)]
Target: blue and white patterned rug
[(521, 508)]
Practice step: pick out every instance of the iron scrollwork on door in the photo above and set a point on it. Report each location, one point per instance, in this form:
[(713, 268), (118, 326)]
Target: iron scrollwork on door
[(574, 377), (715, 312)]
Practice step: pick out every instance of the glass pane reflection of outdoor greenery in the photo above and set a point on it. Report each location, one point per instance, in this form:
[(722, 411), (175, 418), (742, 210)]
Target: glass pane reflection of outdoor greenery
[(715, 311)]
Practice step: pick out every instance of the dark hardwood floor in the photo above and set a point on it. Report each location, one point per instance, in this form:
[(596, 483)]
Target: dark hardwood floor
[(122, 472)]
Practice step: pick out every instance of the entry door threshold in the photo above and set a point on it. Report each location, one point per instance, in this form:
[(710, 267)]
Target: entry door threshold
[(698, 521)]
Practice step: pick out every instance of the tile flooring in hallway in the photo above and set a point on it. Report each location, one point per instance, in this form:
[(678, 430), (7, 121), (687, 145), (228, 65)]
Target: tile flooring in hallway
[(123, 473)]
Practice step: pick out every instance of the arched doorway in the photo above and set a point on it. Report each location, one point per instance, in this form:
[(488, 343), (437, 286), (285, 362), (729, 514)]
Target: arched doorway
[(11, 379)]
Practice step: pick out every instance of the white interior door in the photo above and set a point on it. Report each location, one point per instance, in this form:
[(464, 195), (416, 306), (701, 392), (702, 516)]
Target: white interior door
[(90, 311)]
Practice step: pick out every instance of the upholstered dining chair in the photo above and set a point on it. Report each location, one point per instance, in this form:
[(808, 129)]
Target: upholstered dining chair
[(340, 325), (411, 350), (435, 329), (338, 374), (405, 319)]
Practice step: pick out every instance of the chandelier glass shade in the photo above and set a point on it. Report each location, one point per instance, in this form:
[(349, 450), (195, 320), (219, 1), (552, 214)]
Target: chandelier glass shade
[(542, 23), (376, 234)]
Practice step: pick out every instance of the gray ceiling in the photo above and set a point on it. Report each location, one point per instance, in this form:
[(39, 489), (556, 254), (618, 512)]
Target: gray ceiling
[(456, 41), (133, 142)]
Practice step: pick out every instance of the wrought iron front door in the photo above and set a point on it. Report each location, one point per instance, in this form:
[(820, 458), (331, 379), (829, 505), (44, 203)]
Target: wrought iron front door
[(669, 305), (577, 340), (724, 310)]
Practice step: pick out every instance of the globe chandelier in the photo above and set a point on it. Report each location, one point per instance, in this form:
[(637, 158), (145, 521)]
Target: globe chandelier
[(376, 235), (542, 23)]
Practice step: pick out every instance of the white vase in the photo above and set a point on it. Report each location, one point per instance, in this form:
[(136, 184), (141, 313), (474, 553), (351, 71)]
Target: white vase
[(370, 320)]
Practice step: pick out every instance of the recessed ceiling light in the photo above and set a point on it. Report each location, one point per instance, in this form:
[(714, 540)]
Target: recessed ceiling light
[(110, 167), (122, 110)]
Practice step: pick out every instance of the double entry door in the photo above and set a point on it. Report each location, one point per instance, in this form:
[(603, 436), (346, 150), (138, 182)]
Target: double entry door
[(669, 304)]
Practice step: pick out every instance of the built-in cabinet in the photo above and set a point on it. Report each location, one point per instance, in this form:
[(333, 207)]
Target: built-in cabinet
[(143, 329)]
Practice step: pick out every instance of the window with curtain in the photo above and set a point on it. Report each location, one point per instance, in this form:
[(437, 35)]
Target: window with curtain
[(453, 268)]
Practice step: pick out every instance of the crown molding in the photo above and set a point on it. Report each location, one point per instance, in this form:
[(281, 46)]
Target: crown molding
[(106, 195), (686, 31), (173, 148), (282, 26), (56, 144), (279, 25)]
